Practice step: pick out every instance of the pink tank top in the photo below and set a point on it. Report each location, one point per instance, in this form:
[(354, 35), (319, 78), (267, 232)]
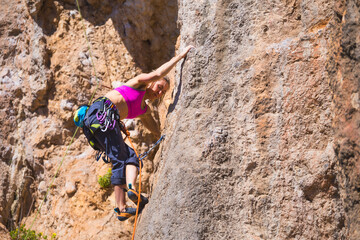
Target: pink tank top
[(133, 98)]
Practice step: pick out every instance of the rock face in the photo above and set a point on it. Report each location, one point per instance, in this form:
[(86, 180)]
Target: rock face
[(344, 74), (264, 132), (262, 126)]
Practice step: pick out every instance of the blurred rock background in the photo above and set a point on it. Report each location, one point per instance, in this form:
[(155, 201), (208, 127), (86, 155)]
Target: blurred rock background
[(262, 120)]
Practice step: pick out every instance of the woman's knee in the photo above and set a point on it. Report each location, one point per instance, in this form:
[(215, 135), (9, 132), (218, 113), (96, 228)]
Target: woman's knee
[(131, 167), (122, 187)]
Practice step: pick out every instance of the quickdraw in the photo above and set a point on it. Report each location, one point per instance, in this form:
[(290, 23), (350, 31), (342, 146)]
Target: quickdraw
[(144, 155)]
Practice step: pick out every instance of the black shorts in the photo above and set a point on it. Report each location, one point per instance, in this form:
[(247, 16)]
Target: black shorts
[(111, 141)]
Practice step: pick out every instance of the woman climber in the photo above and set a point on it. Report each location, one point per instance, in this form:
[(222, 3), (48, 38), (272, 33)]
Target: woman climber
[(127, 101)]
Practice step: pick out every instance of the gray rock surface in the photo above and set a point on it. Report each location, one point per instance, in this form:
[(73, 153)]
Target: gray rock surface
[(252, 151)]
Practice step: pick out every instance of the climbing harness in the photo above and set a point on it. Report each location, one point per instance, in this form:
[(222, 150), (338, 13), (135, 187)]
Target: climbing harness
[(108, 116)]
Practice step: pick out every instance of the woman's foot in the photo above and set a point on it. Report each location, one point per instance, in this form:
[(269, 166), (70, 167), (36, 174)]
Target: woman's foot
[(133, 196), (123, 215)]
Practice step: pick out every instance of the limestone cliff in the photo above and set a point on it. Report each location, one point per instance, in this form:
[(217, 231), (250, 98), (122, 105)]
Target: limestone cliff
[(262, 122), (265, 131)]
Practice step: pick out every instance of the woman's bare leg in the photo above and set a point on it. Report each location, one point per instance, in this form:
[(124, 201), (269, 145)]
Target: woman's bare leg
[(120, 197), (131, 175)]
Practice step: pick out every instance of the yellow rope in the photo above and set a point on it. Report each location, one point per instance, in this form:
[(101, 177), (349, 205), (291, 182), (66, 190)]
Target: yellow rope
[(72, 139)]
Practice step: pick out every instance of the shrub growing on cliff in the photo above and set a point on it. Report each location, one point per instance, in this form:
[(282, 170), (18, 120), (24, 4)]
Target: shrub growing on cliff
[(104, 181), (22, 233)]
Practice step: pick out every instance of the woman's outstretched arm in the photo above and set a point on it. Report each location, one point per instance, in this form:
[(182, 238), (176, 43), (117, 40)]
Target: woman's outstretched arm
[(146, 78)]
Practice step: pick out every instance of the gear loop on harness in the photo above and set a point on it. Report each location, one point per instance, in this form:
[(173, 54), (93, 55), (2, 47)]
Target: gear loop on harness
[(108, 116)]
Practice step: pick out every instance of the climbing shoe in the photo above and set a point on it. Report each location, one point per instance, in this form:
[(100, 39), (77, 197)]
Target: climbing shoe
[(122, 216), (133, 196)]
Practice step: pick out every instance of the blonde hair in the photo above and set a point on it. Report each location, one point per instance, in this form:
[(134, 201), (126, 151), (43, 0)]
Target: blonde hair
[(166, 78)]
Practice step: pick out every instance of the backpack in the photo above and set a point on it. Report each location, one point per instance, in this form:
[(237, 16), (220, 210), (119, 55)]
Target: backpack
[(79, 117)]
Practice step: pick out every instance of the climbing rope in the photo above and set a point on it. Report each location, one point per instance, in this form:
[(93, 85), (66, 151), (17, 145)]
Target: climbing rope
[(140, 167), (140, 157), (72, 139)]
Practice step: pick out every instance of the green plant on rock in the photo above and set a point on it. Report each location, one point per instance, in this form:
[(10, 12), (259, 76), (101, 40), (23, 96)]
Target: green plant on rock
[(104, 181), (23, 233)]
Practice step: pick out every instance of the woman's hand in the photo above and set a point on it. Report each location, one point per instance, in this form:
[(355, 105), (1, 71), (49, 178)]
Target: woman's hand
[(146, 78), (185, 52)]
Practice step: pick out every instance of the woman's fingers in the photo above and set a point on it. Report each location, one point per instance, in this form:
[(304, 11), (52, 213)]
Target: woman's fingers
[(187, 49)]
